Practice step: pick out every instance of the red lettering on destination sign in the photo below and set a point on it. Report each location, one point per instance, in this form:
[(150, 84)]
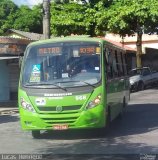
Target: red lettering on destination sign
[(88, 50)]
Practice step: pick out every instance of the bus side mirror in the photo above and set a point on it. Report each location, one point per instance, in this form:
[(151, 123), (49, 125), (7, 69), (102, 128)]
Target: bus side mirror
[(20, 59)]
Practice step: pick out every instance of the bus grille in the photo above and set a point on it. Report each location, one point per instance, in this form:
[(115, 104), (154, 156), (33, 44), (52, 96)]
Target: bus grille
[(64, 108), (61, 120), (68, 115)]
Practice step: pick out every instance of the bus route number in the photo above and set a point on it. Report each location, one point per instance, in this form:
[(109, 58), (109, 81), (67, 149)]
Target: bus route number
[(87, 50)]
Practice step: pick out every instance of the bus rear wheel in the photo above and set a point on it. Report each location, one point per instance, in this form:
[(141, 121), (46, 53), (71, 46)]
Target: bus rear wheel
[(120, 116), (36, 134)]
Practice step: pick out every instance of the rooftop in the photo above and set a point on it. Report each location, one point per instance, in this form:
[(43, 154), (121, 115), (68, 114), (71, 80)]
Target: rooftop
[(118, 38), (26, 35)]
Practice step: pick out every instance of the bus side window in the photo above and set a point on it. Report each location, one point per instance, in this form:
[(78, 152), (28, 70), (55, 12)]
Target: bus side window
[(123, 63), (120, 64), (108, 64), (115, 67)]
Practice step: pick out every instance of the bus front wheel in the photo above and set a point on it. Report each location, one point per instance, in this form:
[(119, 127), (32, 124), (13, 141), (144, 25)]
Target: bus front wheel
[(103, 131), (36, 134)]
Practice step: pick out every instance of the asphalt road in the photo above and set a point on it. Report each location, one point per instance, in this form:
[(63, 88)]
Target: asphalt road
[(135, 133)]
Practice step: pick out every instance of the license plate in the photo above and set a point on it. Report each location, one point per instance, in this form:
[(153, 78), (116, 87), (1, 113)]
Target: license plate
[(60, 127)]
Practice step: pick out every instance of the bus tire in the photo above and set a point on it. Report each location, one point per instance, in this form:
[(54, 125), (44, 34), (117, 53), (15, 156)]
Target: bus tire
[(36, 134), (108, 119), (103, 131), (120, 116)]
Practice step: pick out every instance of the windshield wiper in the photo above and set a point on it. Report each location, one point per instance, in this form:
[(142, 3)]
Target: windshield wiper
[(63, 88), (42, 84), (79, 81), (88, 84)]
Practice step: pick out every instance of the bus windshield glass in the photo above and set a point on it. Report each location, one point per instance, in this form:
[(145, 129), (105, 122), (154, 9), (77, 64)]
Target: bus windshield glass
[(63, 64)]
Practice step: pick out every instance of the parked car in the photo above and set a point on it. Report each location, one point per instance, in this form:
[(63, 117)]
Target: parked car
[(140, 78)]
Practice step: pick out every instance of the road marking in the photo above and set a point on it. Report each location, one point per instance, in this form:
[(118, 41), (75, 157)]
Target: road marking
[(8, 112)]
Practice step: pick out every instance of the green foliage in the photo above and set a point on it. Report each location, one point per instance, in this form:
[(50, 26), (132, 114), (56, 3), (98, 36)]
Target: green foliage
[(7, 9), (27, 19), (73, 18), (21, 18), (67, 19), (130, 16), (93, 18)]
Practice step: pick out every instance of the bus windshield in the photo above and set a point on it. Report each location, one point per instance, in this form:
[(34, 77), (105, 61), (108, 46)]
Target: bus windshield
[(62, 64)]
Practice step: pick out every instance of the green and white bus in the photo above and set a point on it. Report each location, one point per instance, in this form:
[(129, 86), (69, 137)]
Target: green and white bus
[(72, 83)]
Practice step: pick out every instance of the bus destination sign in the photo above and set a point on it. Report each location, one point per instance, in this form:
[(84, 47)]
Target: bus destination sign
[(52, 50), (89, 50)]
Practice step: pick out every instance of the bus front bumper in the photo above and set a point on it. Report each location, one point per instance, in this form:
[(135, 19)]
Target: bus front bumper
[(92, 118)]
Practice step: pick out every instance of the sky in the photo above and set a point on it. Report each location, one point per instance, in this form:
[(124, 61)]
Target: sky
[(27, 2)]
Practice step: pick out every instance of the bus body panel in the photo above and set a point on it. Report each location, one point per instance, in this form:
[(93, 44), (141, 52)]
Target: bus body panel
[(75, 116)]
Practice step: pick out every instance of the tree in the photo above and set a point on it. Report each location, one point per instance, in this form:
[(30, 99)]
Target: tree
[(129, 17), (7, 9), (67, 19), (93, 13), (27, 19), (22, 18)]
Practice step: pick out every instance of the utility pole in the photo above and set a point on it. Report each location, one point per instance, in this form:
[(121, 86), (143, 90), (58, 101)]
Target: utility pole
[(139, 47), (46, 19)]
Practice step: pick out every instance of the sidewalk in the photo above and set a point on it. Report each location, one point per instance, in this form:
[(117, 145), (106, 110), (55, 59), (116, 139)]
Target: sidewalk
[(9, 107)]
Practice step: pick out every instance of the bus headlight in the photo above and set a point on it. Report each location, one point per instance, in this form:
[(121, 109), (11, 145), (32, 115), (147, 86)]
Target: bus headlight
[(27, 106), (94, 103)]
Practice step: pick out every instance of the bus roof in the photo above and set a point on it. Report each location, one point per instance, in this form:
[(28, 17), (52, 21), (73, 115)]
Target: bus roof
[(85, 38), (68, 38)]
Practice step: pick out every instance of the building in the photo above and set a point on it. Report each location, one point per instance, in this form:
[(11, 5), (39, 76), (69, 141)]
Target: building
[(11, 47), (149, 48)]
